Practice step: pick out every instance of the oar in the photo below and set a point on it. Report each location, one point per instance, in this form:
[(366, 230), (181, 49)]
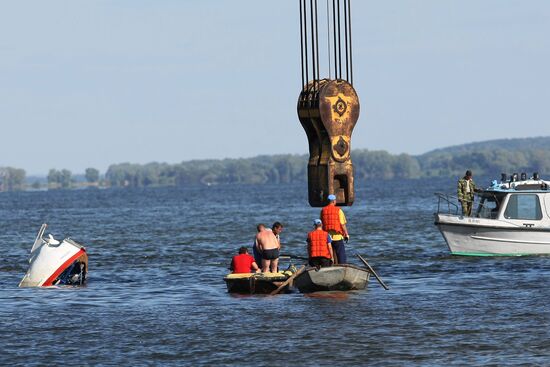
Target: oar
[(373, 272), (300, 271), (294, 257)]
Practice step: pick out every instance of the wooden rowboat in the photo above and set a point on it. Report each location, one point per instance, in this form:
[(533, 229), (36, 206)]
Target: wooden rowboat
[(256, 283), (341, 277)]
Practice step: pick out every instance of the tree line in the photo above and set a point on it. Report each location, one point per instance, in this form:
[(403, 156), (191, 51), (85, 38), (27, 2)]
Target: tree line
[(490, 158), (12, 179), (63, 179), (293, 168), (15, 179)]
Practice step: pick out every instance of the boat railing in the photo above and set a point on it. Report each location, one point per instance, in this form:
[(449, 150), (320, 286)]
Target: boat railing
[(448, 202)]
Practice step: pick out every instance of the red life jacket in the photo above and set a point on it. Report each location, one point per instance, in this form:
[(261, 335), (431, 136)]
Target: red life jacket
[(317, 244), (242, 263), (330, 216)]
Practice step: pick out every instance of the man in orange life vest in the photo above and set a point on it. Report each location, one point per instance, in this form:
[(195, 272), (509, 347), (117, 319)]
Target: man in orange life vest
[(243, 262), (334, 222), (318, 246)]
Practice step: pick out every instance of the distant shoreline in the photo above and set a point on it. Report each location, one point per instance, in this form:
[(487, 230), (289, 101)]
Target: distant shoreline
[(484, 158)]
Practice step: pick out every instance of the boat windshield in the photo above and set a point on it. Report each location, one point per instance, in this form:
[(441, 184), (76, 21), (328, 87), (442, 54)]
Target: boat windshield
[(489, 206)]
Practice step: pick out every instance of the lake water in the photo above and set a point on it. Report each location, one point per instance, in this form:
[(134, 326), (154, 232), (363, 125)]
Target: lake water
[(156, 296)]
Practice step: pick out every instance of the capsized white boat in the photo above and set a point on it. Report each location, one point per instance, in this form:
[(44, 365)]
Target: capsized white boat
[(55, 263), (512, 218)]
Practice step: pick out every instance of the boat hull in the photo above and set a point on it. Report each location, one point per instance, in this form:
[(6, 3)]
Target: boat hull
[(254, 283), (485, 237), (49, 263), (334, 278)]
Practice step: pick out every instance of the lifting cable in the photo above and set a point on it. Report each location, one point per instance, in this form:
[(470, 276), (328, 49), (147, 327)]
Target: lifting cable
[(328, 40), (313, 45), (341, 48), (350, 80)]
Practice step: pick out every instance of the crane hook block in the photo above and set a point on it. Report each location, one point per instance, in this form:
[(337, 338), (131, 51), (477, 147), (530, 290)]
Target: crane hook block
[(328, 111)]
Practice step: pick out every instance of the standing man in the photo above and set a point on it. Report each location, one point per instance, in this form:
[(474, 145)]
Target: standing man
[(319, 246), (465, 191), (269, 245), (256, 247), (334, 222), (277, 228)]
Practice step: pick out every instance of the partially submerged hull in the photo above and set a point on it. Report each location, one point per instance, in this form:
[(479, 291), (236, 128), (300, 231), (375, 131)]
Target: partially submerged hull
[(255, 283), (55, 263), (489, 237), (340, 277)]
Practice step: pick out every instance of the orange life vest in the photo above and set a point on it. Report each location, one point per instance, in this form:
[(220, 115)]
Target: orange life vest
[(330, 216), (317, 244)]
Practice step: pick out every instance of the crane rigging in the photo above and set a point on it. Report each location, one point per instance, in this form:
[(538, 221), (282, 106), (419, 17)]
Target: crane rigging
[(328, 108)]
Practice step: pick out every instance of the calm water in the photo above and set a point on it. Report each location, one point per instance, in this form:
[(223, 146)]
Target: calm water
[(156, 294)]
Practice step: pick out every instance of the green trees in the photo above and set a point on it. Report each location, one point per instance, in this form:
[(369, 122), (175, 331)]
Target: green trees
[(484, 158), (489, 158), (92, 175), (257, 170), (12, 179), (59, 179)]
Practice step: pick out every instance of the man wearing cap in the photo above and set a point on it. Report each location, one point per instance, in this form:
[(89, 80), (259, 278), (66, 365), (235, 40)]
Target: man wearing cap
[(465, 193), (334, 222), (319, 246)]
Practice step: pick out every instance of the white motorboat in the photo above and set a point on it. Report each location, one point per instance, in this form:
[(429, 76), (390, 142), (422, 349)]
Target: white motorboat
[(512, 219), (55, 263)]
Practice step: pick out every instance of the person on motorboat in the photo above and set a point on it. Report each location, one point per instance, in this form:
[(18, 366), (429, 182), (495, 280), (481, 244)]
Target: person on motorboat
[(465, 193), (319, 246), (269, 246), (256, 248), (243, 262), (334, 222)]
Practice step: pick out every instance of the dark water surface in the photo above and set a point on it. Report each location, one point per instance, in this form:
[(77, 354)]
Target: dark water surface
[(156, 294)]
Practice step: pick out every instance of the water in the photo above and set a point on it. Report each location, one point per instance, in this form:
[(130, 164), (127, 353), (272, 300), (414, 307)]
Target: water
[(156, 295)]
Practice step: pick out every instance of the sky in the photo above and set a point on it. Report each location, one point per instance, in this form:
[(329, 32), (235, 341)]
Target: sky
[(91, 83)]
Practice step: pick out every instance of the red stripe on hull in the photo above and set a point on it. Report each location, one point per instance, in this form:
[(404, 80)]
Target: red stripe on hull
[(60, 270)]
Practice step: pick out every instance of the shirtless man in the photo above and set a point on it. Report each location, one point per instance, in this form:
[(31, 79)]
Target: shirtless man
[(256, 247), (269, 245)]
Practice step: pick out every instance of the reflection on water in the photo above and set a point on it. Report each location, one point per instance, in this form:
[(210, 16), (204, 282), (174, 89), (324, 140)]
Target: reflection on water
[(156, 293), (330, 295)]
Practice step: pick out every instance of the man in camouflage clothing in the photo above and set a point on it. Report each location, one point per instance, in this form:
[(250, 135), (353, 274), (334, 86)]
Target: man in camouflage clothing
[(466, 189)]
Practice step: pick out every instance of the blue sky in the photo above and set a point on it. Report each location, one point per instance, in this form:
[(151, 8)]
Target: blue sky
[(86, 84)]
